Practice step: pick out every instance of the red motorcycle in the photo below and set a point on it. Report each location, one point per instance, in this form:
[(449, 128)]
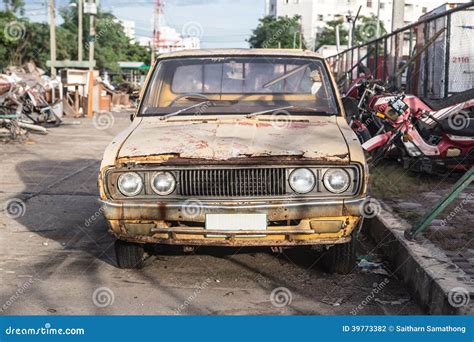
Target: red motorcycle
[(427, 139)]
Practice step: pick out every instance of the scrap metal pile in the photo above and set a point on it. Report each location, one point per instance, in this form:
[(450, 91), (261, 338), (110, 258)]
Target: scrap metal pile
[(29, 102)]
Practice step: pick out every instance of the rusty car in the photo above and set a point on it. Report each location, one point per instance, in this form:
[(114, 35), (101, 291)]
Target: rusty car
[(236, 147)]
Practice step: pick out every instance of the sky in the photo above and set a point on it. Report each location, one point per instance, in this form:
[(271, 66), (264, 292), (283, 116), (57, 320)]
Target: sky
[(223, 23)]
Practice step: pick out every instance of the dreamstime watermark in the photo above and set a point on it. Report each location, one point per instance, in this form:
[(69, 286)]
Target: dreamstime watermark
[(15, 208), (192, 208), (458, 297), (202, 108), (47, 329), (370, 207), (103, 30), (368, 31), (276, 36), (198, 288), (103, 121), (14, 31), (103, 297), (281, 119), (19, 291), (192, 29), (281, 297), (371, 296), (457, 209), (90, 220), (458, 121)]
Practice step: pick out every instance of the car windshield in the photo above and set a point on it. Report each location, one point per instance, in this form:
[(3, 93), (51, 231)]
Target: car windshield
[(239, 85)]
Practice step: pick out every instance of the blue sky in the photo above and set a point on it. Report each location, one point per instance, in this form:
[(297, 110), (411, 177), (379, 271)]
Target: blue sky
[(225, 23)]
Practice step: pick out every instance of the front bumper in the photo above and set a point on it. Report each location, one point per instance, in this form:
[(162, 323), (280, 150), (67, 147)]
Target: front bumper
[(182, 223)]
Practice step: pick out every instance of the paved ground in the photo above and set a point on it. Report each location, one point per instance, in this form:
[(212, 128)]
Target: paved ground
[(58, 259), (411, 195)]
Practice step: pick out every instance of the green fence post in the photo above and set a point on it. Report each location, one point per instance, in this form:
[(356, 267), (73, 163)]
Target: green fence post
[(460, 185)]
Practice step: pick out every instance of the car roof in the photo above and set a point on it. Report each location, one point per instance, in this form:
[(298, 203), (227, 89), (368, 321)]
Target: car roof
[(241, 52)]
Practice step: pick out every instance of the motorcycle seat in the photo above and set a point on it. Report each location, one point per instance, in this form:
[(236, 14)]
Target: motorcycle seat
[(459, 125)]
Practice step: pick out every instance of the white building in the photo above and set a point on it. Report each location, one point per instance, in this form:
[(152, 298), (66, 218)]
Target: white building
[(315, 13), (128, 28), (169, 40)]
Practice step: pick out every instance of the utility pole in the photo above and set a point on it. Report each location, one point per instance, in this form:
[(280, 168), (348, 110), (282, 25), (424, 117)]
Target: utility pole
[(79, 30), (377, 32), (52, 36), (152, 48), (92, 10), (398, 14), (91, 34)]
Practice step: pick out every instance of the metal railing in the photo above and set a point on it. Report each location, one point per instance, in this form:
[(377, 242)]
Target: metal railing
[(432, 58)]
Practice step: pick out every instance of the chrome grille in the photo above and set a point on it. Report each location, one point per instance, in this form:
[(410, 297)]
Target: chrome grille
[(232, 182)]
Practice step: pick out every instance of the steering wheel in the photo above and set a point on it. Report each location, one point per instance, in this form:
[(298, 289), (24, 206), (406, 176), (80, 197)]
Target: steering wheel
[(179, 97)]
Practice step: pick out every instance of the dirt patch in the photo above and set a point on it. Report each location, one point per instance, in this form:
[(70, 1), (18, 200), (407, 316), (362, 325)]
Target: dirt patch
[(411, 195)]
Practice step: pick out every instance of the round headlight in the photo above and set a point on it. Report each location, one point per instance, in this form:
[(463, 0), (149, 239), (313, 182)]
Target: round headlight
[(336, 180), (130, 184), (163, 183), (302, 181)]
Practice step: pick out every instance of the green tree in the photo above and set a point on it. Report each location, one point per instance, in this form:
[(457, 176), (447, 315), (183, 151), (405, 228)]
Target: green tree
[(14, 6), (277, 32), (22, 40), (366, 30), (111, 43), (328, 35)]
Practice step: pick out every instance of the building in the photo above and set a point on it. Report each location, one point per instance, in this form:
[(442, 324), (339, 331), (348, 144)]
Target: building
[(170, 40), (128, 28), (316, 13)]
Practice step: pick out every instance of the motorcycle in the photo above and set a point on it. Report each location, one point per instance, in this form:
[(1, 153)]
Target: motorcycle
[(427, 140)]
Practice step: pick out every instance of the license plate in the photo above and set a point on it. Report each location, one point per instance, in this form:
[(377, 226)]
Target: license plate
[(236, 222)]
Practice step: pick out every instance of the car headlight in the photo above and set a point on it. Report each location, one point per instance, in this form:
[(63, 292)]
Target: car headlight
[(130, 184), (302, 181), (163, 183), (336, 180)]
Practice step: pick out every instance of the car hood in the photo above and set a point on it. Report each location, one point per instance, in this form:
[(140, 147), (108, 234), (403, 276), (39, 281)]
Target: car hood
[(316, 138)]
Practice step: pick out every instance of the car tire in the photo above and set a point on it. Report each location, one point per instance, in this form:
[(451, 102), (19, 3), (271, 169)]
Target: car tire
[(340, 258), (129, 255)]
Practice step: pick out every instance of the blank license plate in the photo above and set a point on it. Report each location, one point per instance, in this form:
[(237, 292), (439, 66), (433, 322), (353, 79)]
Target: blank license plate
[(236, 222)]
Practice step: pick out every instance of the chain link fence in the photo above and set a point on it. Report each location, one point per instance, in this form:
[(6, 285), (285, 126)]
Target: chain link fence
[(432, 58)]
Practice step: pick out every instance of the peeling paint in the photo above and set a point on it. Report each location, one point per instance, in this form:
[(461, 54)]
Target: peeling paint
[(317, 138)]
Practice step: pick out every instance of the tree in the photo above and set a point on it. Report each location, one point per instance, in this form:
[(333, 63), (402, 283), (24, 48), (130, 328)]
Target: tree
[(111, 43), (328, 35), (14, 6), (283, 32), (22, 40), (366, 30)]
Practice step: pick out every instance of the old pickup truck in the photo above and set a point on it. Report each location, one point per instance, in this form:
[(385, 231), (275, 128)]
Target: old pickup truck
[(240, 147)]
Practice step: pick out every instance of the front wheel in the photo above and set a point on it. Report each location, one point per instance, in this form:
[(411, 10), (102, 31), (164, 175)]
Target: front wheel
[(129, 255), (340, 258)]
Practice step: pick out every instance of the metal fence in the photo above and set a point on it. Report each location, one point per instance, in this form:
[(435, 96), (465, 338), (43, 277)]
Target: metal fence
[(432, 58)]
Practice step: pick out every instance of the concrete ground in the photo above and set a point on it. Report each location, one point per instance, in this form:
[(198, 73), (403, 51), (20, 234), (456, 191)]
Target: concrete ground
[(57, 257)]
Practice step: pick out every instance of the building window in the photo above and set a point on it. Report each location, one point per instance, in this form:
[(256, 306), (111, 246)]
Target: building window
[(286, 2), (320, 17), (369, 3), (382, 5), (295, 1), (424, 10)]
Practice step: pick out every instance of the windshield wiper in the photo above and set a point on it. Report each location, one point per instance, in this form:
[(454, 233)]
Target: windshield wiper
[(212, 102), (283, 108)]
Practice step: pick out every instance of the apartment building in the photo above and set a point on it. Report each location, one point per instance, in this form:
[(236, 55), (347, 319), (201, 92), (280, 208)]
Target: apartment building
[(316, 13)]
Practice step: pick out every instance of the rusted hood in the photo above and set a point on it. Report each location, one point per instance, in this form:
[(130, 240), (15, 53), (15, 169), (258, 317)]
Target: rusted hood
[(316, 138)]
